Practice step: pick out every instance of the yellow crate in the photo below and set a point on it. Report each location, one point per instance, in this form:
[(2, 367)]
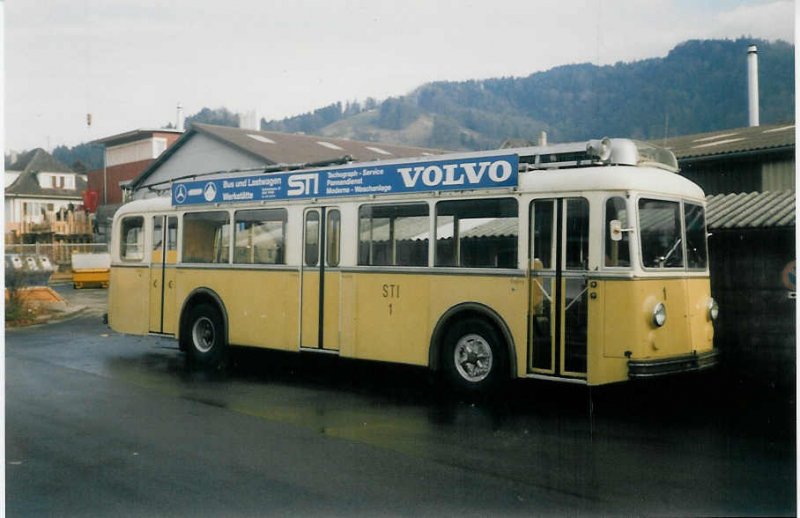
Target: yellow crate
[(90, 277)]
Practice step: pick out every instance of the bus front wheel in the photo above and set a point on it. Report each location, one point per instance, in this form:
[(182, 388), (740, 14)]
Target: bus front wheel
[(204, 336), (473, 357)]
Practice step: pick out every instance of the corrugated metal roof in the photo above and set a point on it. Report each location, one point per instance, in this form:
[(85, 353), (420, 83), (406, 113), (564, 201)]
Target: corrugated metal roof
[(731, 141), (751, 210), (494, 227)]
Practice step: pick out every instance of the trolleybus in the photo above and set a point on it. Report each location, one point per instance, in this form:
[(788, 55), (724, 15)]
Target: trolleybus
[(583, 263)]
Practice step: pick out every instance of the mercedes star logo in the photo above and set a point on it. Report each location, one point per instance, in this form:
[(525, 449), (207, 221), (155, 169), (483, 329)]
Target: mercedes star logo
[(180, 193)]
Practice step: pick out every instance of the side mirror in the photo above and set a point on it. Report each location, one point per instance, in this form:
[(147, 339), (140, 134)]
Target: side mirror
[(615, 230)]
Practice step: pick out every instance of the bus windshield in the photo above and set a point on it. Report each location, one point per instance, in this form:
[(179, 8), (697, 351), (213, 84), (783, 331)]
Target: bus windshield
[(662, 234)]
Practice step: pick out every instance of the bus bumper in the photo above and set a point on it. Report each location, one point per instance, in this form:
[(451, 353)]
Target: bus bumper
[(691, 362)]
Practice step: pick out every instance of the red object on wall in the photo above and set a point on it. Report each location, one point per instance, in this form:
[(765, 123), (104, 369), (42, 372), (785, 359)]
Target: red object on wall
[(90, 198), (111, 177)]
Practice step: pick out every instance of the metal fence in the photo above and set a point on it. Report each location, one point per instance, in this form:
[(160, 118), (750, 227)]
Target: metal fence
[(60, 254)]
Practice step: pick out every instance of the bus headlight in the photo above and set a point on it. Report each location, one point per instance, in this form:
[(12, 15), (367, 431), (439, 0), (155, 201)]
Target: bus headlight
[(659, 314), (713, 309)]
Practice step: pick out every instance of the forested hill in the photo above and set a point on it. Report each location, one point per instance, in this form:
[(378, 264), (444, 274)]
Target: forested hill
[(701, 85)]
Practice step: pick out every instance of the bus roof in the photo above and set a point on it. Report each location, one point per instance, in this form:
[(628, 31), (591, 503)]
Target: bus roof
[(596, 165), (558, 182)]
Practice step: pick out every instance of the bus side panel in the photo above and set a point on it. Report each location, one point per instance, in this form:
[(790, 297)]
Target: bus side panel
[(385, 318), (128, 300), (262, 306), (348, 312), (506, 296), (702, 329), (393, 315), (604, 366)]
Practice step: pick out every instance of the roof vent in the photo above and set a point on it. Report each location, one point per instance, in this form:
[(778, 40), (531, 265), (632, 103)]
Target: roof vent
[(261, 138), (329, 145)]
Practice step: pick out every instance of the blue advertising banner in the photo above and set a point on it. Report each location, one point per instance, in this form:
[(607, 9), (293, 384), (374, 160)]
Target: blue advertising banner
[(435, 175)]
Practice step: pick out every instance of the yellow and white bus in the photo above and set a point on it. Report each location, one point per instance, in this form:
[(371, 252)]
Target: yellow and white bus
[(583, 263)]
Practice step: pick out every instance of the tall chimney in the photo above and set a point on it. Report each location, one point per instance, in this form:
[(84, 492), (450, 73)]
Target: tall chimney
[(752, 84), (179, 118), (542, 138)]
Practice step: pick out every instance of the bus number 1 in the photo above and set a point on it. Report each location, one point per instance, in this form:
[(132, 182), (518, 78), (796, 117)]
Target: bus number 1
[(391, 291)]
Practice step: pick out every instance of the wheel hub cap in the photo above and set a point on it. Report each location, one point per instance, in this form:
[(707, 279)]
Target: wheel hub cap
[(473, 358), (203, 334)]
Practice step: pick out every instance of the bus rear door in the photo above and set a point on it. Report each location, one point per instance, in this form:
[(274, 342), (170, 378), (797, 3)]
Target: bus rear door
[(321, 277), (163, 258)]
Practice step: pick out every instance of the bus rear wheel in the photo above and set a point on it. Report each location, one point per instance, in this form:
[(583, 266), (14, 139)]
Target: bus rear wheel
[(473, 357), (204, 336)]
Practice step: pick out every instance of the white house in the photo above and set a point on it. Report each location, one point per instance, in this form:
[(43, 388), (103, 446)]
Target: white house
[(37, 188)]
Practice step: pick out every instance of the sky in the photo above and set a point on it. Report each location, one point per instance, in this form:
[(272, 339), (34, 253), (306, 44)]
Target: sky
[(130, 62)]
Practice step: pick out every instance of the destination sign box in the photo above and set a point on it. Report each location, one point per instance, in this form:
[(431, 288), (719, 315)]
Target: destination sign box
[(484, 172)]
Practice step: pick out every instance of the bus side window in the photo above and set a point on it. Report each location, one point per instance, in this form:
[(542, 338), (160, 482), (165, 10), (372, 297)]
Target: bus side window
[(477, 233), (158, 237), (393, 235), (172, 239), (577, 249), (206, 237), (694, 216), (259, 236), (617, 253), (333, 235), (312, 238), (543, 223), (132, 239)]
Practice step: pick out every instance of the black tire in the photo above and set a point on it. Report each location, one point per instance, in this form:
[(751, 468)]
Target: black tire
[(473, 357), (203, 336)]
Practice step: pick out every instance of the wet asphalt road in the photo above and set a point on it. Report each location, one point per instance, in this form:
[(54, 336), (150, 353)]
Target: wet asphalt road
[(101, 424)]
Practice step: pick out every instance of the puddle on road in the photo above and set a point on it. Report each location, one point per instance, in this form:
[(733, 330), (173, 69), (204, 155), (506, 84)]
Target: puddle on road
[(402, 408)]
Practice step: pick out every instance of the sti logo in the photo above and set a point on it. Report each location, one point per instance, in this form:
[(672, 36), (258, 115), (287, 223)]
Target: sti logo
[(467, 173), (306, 184)]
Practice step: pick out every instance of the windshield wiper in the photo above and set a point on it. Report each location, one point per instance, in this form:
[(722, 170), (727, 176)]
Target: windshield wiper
[(662, 261)]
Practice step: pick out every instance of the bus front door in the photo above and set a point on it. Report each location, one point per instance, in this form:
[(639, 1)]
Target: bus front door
[(558, 319), (163, 258), (321, 277)]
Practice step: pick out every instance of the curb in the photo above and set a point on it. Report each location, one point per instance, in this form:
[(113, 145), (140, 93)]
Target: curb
[(52, 318)]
